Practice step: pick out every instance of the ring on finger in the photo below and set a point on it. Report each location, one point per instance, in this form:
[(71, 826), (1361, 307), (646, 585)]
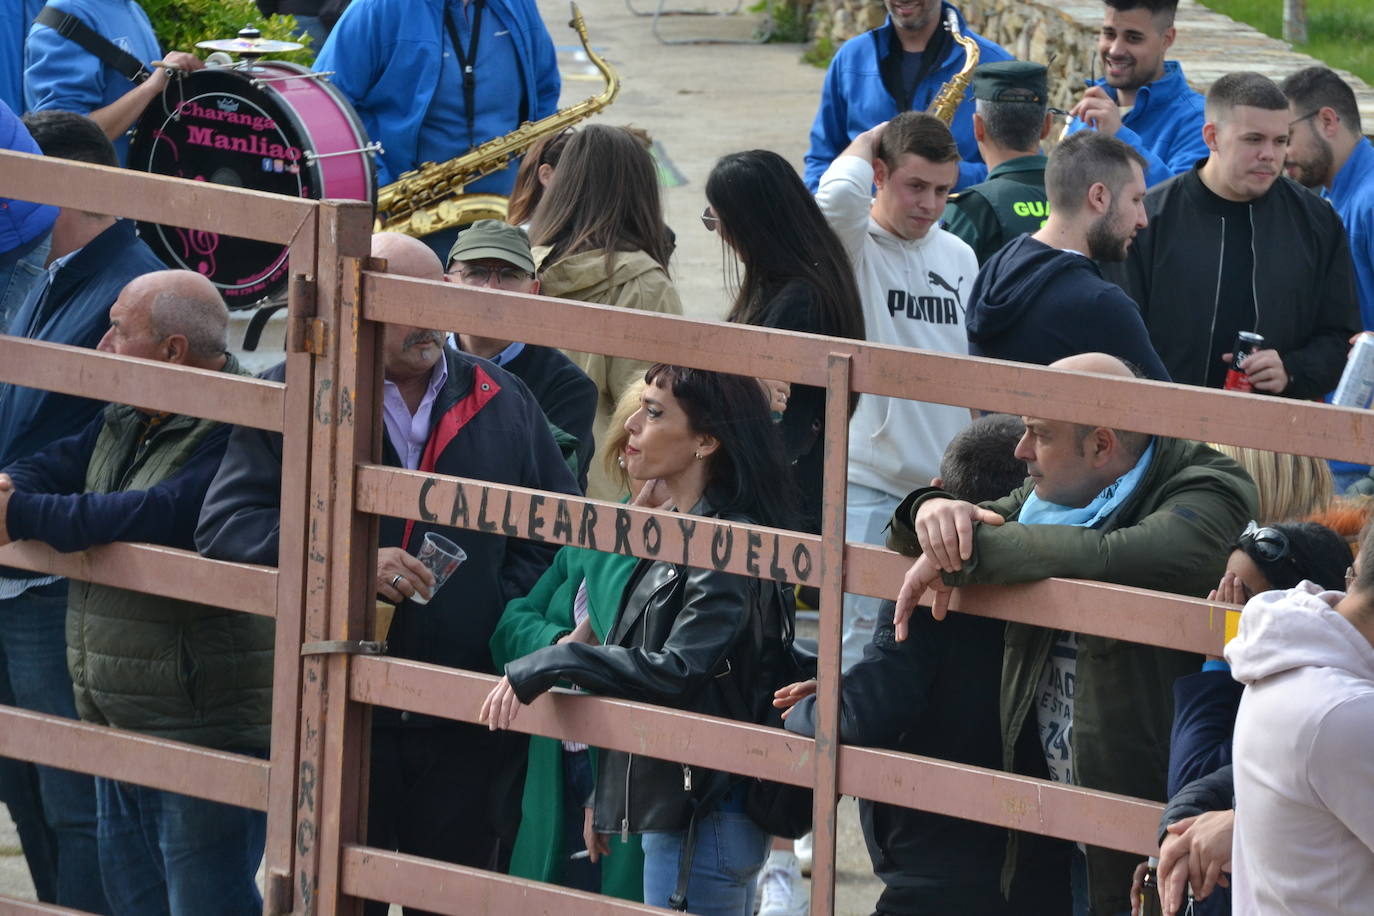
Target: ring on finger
[(396, 580)]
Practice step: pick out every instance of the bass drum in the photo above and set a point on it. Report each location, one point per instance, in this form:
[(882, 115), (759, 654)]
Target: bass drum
[(268, 126)]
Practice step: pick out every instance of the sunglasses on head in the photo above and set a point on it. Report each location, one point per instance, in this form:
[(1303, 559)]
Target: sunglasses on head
[(1269, 544)]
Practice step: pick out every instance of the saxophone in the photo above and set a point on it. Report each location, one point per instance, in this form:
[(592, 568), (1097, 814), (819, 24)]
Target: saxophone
[(952, 93), (429, 199)]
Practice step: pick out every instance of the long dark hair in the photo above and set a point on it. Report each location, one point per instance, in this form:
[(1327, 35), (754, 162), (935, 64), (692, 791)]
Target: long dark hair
[(748, 475), (772, 222), (606, 197)]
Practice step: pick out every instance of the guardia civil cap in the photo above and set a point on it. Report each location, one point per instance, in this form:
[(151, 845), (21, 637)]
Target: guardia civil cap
[(1011, 81)]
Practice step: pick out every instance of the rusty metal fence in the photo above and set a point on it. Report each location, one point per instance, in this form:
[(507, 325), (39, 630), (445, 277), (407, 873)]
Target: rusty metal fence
[(334, 488)]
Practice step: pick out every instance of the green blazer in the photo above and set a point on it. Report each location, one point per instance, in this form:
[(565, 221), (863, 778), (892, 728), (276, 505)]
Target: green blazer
[(530, 623)]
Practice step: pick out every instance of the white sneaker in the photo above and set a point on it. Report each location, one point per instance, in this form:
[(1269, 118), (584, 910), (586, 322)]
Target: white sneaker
[(802, 848), (782, 891)]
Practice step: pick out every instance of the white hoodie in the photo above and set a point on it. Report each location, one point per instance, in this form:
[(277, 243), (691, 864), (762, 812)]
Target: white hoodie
[(914, 294), (1304, 758)]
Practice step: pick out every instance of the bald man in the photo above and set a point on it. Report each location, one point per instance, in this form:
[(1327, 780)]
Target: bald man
[(1102, 504), (439, 788), (161, 666)]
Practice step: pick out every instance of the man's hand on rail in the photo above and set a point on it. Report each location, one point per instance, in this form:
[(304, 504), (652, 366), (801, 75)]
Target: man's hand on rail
[(786, 697), (6, 488), (1196, 853), (500, 707), (922, 575), (944, 528), (400, 575)]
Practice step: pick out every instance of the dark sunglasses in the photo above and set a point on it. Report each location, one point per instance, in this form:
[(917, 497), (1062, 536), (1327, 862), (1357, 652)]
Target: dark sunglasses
[(709, 219), (1269, 544)]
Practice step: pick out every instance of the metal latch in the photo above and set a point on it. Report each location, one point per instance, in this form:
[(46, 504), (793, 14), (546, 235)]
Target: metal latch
[(344, 647)]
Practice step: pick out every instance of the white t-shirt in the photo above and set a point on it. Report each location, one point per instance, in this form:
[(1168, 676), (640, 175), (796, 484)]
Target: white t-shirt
[(1054, 706)]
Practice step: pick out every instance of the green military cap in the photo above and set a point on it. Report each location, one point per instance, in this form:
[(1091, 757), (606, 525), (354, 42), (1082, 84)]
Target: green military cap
[(1011, 81), (492, 238)]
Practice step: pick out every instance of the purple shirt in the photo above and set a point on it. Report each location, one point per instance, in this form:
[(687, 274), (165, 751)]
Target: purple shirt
[(409, 432)]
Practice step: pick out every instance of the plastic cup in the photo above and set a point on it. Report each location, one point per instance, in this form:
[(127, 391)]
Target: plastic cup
[(441, 557)]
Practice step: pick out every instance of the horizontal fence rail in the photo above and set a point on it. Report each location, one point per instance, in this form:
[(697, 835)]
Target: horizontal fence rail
[(241, 400), (154, 570), (1002, 799), (155, 198), (173, 766), (1181, 411)]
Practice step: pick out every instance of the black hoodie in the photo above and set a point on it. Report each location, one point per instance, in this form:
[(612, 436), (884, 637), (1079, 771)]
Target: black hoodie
[(1035, 304)]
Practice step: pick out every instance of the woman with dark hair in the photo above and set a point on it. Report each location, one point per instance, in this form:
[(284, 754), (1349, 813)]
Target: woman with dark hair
[(797, 277), (599, 237), (694, 639), (535, 176), (1264, 559)]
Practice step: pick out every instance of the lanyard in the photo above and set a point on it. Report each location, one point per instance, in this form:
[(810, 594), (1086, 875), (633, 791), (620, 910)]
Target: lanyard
[(467, 59)]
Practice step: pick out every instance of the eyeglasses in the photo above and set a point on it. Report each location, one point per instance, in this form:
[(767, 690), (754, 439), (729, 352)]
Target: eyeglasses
[(1269, 544), (709, 219), (476, 275), (1349, 577), (1296, 121)]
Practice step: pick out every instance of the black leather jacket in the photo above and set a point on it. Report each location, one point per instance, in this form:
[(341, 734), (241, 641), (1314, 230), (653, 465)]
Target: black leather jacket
[(693, 639)]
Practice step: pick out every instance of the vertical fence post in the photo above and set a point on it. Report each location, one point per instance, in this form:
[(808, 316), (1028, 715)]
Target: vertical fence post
[(295, 490), (831, 628), (344, 232)]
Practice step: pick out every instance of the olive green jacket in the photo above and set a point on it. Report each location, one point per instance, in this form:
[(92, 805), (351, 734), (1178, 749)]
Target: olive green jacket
[(1173, 534)]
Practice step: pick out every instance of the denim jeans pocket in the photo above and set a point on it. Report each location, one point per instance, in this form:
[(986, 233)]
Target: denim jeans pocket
[(741, 846)]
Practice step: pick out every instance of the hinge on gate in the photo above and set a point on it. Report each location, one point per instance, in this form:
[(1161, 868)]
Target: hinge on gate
[(306, 333), (344, 647)]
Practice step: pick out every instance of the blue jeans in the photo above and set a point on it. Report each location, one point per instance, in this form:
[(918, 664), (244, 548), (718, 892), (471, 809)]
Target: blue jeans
[(16, 277), (730, 851), (866, 514), (32, 629), (164, 854)]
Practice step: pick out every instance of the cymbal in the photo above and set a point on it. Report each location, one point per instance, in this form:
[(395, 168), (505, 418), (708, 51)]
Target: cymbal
[(249, 45)]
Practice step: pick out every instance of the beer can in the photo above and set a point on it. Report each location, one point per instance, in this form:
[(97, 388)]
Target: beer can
[(1357, 381), (1247, 342)]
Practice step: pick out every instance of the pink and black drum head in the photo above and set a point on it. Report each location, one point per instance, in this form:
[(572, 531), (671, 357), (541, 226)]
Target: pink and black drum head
[(269, 126)]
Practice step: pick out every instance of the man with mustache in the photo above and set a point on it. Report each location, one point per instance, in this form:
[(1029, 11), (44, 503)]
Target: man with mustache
[(1142, 98), (439, 788), (1234, 246)]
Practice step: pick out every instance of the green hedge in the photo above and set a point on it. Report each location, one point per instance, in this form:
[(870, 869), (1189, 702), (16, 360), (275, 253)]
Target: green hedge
[(179, 24)]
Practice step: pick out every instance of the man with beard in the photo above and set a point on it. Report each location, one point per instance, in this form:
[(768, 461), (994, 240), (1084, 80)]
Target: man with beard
[(1042, 297), (899, 66), (1144, 99), (438, 788), (1233, 246), (1328, 153)]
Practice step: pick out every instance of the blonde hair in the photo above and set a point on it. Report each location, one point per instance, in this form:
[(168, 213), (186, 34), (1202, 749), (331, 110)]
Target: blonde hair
[(617, 437), (1291, 487)]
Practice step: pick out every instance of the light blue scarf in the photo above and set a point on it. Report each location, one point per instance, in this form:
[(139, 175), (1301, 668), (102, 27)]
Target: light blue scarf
[(1037, 511)]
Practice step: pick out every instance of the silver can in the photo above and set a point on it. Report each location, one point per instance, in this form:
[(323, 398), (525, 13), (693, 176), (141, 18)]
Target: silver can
[(1357, 381)]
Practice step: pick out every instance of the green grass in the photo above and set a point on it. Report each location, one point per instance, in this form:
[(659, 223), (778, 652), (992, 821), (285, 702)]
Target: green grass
[(1340, 32)]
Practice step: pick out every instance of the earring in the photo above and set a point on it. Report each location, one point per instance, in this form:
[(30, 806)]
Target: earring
[(698, 455), (621, 461)]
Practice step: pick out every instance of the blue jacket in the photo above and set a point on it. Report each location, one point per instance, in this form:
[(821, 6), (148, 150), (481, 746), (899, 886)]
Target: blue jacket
[(1205, 707), (1165, 126), (863, 89), (387, 55), (60, 75), (21, 14), (21, 223), (1352, 194), (75, 311)]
